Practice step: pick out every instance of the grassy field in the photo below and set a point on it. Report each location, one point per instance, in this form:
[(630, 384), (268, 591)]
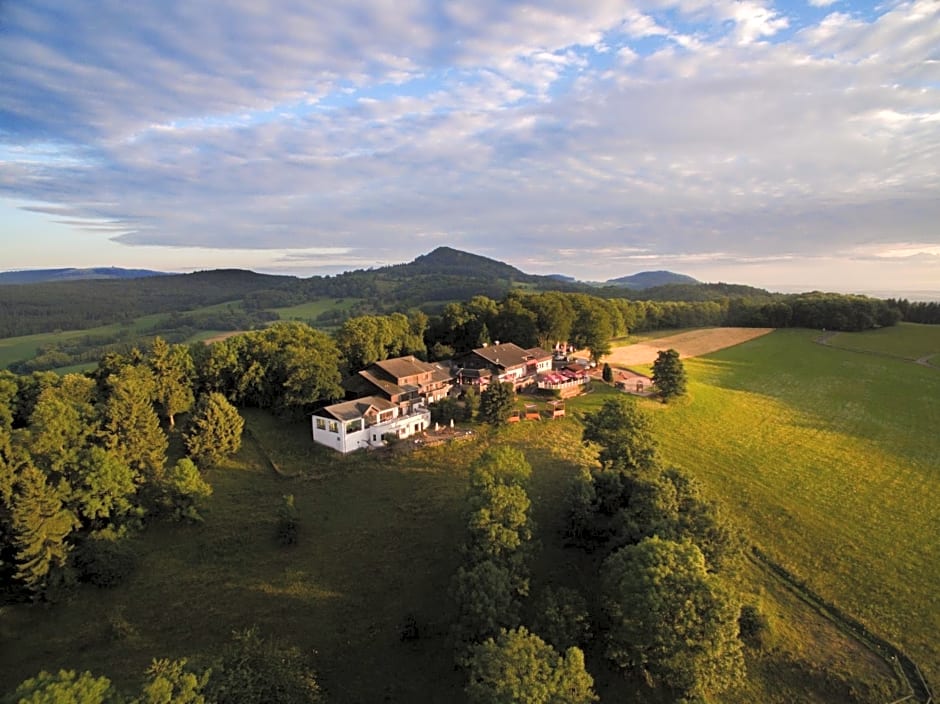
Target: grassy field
[(824, 456), (907, 340), (829, 459), (310, 310)]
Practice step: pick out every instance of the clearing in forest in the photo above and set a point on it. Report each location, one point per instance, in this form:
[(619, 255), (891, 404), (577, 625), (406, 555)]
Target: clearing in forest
[(693, 343)]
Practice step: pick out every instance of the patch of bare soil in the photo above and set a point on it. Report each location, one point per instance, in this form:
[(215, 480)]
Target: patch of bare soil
[(224, 336), (688, 344)]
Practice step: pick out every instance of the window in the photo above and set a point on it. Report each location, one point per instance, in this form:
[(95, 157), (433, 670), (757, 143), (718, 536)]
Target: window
[(334, 426), (321, 424), (354, 426)]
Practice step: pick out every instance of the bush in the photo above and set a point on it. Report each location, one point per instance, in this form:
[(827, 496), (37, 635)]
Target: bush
[(288, 522), (755, 628), (104, 563)]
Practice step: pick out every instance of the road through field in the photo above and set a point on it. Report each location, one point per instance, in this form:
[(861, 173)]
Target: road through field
[(688, 344)]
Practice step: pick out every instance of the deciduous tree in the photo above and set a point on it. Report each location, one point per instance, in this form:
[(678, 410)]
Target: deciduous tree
[(66, 687), (624, 433), (173, 373), (670, 619), (669, 374), (518, 667)]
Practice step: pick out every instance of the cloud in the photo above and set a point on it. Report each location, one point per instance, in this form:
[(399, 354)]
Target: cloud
[(689, 132)]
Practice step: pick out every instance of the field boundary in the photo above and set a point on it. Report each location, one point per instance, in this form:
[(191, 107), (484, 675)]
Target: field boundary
[(897, 660)]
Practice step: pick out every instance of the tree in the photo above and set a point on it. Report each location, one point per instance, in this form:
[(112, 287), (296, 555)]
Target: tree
[(41, 525), (288, 522), (670, 619), (496, 402), (518, 667), (215, 430), (103, 491), (471, 402), (487, 598), (499, 523), (131, 426), (173, 373), (562, 618), (66, 687), (170, 682), (607, 374), (624, 433), (258, 670), (185, 491), (669, 374)]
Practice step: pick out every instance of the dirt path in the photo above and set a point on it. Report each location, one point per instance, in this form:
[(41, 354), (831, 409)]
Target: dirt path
[(689, 344)]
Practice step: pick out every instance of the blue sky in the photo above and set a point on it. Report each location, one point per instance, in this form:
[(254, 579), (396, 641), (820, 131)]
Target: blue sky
[(792, 145)]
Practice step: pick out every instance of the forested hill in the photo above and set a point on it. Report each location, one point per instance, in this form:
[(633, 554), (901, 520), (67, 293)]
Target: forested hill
[(74, 305), (35, 276), (445, 274), (650, 279)]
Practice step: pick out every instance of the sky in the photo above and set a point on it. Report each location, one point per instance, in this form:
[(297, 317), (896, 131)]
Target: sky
[(792, 145)]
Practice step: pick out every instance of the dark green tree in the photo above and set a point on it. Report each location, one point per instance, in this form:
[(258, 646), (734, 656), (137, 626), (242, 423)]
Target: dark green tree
[(471, 403), (624, 433), (607, 374), (185, 492), (214, 431), (41, 525), (669, 374), (288, 522), (670, 619), (131, 427), (258, 670), (104, 492), (487, 597), (496, 402), (499, 525), (518, 667), (561, 617)]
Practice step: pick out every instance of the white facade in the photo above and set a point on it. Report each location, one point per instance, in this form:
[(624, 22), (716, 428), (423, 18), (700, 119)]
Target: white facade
[(368, 429)]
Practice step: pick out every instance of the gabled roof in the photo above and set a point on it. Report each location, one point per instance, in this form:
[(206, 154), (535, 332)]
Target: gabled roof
[(352, 410), (389, 387), (505, 355), (539, 354), (401, 367)]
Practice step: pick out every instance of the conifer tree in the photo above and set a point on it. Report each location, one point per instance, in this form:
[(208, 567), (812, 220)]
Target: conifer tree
[(131, 426), (215, 430), (41, 525)]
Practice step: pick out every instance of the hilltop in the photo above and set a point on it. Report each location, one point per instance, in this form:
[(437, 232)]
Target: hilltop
[(34, 276), (651, 279)]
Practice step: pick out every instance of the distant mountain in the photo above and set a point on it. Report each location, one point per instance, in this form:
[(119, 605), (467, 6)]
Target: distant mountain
[(561, 277), (36, 276), (651, 279), (453, 262)]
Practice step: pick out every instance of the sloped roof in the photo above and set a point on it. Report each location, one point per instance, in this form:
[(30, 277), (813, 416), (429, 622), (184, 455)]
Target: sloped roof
[(401, 367), (357, 408), (539, 353), (505, 355)]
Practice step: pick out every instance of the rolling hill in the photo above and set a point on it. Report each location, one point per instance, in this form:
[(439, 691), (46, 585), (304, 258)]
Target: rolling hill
[(35, 276), (651, 279)]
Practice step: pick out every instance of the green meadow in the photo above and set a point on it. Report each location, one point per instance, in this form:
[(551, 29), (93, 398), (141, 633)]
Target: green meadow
[(830, 461), (824, 457), (907, 340), (311, 310)]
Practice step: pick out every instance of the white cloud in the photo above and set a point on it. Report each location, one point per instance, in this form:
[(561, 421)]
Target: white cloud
[(496, 126)]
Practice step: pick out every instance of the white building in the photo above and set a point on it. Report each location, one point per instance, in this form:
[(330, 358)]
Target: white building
[(352, 425)]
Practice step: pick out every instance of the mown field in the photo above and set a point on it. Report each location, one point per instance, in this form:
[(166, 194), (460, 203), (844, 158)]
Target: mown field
[(311, 310), (831, 462), (907, 340), (824, 457)]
